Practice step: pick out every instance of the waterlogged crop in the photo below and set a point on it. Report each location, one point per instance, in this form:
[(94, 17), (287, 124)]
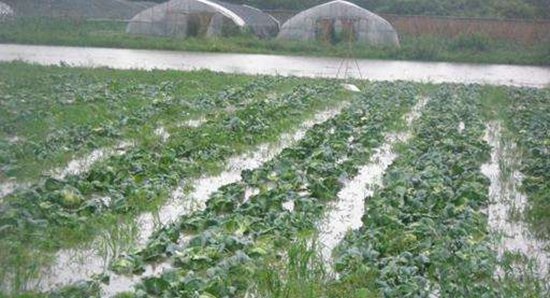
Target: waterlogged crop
[(529, 120), (228, 240), (424, 230), (74, 207), (66, 113)]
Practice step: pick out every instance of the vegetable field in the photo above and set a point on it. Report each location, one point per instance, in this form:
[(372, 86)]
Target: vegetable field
[(199, 184)]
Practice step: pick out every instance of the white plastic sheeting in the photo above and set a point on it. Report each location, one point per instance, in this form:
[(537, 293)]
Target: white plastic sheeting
[(183, 18), (340, 20)]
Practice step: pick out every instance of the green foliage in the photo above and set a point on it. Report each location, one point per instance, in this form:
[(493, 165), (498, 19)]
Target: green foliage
[(529, 120), (464, 8), (62, 213), (232, 239), (471, 43), (423, 232)]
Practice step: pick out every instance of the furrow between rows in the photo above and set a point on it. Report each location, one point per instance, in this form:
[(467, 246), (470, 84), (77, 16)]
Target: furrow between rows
[(346, 212), (507, 200), (67, 268)]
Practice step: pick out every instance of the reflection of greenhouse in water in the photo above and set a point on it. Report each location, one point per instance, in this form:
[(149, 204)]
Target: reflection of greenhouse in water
[(339, 21), (184, 18)]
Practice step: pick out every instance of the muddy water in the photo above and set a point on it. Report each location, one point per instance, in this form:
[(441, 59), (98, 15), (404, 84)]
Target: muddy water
[(346, 212), (82, 165), (7, 188), (194, 123), (75, 265), (377, 70), (74, 167), (506, 199), (182, 203), (162, 133)]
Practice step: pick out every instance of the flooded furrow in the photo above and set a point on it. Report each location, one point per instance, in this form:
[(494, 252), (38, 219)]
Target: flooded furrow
[(8, 188), (506, 201), (83, 165), (193, 123), (74, 167), (182, 203), (93, 261), (162, 133), (346, 212)]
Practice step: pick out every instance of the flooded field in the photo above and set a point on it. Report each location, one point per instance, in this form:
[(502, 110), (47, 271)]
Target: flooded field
[(376, 70), (178, 184)]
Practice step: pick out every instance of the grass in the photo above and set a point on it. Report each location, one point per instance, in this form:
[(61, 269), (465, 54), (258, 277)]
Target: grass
[(466, 48)]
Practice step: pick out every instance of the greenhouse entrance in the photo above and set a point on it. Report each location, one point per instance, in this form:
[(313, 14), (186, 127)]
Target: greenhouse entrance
[(334, 31)]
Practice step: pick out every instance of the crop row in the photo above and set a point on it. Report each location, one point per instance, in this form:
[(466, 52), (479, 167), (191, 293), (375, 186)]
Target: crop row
[(117, 113), (529, 118), (425, 232), (54, 213), (234, 232)]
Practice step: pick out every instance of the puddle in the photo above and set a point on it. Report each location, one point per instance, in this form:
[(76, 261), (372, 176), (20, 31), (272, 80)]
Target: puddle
[(12, 140), (461, 127), (10, 187), (346, 212), (162, 133), (82, 165), (7, 188), (376, 70), (72, 265), (181, 203), (351, 87), (74, 167), (193, 123), (66, 271), (506, 199), (288, 206)]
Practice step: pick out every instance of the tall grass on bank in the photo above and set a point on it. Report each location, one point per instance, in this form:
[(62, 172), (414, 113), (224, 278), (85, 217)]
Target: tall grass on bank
[(470, 48)]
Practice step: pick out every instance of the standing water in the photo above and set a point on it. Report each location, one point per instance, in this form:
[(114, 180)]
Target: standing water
[(74, 265), (377, 70), (345, 214), (506, 199)]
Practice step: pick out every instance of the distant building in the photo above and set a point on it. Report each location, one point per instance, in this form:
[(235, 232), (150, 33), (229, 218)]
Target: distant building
[(6, 12), (338, 21), (208, 18)]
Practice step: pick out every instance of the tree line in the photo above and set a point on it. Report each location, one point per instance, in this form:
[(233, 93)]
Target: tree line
[(528, 9)]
